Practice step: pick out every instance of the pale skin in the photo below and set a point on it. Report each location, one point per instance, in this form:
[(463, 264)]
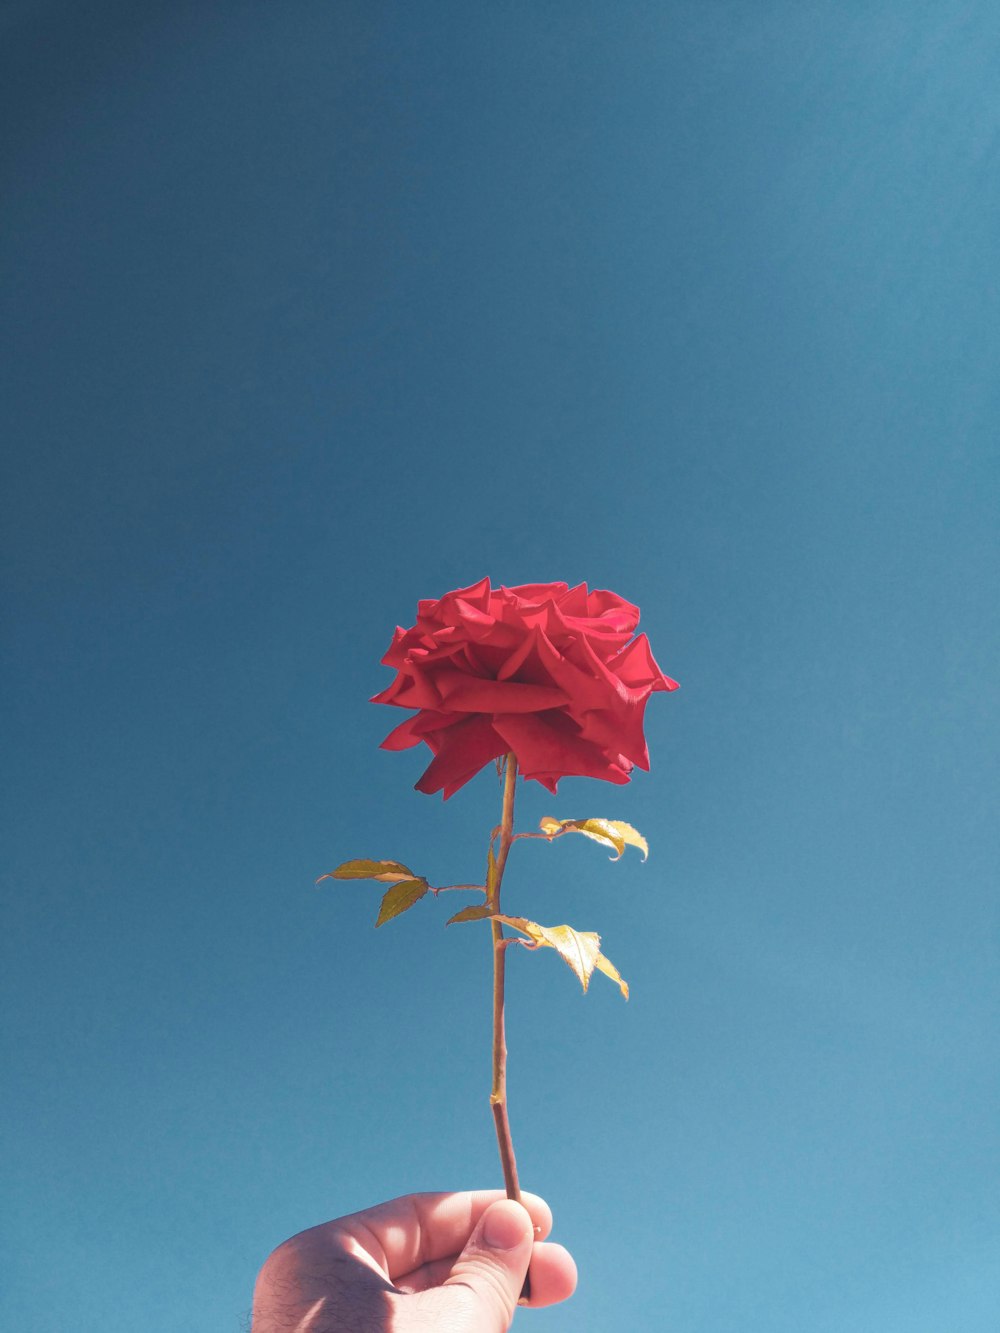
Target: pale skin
[(455, 1263)]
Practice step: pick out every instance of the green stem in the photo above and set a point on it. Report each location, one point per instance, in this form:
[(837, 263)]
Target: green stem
[(498, 1092)]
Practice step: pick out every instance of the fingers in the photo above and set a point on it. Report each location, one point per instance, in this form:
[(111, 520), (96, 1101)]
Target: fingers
[(552, 1272), (553, 1275), (406, 1234), (461, 1259), (485, 1283)]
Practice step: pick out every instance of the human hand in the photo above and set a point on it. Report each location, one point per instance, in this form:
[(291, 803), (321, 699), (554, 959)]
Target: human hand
[(449, 1262)]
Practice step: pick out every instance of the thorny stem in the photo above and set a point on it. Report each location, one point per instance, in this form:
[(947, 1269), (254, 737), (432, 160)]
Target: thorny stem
[(498, 1092)]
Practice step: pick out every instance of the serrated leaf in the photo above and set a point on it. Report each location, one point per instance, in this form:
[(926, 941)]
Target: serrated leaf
[(608, 968), (581, 949), (613, 833), (400, 898), (389, 872), (578, 948), (481, 912)]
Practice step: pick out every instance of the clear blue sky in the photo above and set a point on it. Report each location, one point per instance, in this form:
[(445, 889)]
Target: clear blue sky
[(311, 310)]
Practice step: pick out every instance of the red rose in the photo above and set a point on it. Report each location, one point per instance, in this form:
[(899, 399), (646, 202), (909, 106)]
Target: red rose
[(545, 671)]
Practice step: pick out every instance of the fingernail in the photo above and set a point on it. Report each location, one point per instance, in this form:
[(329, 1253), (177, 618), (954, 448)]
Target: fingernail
[(504, 1227)]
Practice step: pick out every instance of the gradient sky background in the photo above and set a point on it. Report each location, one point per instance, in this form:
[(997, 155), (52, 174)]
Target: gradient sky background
[(314, 309)]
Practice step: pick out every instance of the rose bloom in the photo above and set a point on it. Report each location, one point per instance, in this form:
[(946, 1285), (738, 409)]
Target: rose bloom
[(546, 672)]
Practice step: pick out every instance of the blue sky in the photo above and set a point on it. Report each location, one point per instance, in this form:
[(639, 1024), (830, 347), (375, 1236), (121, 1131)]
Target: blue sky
[(314, 310)]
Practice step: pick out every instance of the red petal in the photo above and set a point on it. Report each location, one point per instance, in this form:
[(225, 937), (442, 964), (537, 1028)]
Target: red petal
[(613, 610), (618, 730), (465, 748), (637, 667), (537, 592), (573, 602), (469, 694), (402, 737), (540, 662), (548, 743), (395, 654), (412, 689)]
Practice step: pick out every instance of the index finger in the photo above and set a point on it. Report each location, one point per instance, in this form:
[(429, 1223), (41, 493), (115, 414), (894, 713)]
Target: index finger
[(406, 1233)]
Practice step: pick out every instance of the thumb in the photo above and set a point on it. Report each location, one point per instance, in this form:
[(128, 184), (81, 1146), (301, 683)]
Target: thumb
[(487, 1277)]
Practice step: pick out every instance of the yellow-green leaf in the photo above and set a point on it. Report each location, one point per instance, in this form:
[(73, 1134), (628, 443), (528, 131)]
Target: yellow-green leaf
[(608, 968), (478, 913), (602, 831), (630, 836), (613, 833), (579, 949), (389, 872), (400, 898), (491, 871)]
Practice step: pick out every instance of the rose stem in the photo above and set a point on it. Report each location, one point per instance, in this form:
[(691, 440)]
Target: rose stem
[(498, 1093)]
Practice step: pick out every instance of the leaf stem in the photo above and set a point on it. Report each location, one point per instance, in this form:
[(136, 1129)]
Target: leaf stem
[(498, 1092)]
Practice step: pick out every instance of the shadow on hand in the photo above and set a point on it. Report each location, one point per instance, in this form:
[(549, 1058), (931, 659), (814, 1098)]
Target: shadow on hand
[(322, 1294)]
